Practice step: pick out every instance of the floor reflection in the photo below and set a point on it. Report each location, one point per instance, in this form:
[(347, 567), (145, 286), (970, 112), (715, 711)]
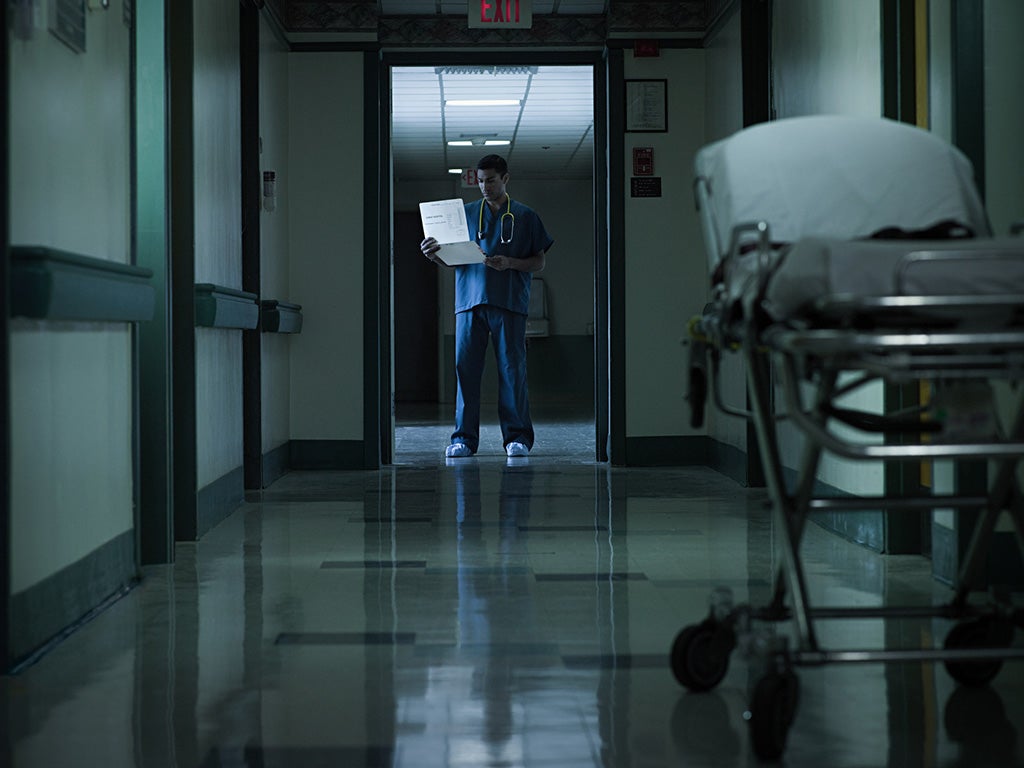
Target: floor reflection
[(486, 613)]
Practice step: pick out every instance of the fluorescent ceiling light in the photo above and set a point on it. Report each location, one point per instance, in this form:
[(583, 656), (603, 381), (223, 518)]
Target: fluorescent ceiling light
[(482, 103), (456, 171), (496, 142), (460, 143)]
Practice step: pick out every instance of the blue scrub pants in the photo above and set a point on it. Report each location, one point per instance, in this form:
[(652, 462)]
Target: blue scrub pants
[(473, 327)]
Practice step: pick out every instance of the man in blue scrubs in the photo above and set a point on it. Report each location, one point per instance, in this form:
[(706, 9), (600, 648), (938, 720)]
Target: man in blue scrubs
[(492, 300)]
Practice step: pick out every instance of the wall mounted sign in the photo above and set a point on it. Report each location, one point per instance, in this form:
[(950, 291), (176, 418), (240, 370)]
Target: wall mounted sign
[(647, 106), (67, 23), (645, 186), (643, 161), (646, 49), (500, 14)]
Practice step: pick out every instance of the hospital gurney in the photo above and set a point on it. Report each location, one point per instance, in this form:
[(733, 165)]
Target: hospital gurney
[(843, 252)]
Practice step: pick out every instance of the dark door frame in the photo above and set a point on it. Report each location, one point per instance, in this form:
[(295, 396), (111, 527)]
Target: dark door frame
[(252, 348), (181, 239), (606, 409), (5, 432), (151, 238)]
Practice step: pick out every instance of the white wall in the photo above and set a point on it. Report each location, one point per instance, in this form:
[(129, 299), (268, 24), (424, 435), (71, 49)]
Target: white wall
[(274, 228), (723, 107), (666, 276), (70, 430), (325, 209), (827, 60), (827, 57), (724, 116), (1004, 152), (218, 233), (1004, 113), (940, 69)]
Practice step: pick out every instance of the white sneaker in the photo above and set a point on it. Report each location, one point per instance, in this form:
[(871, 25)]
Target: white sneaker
[(457, 451), (516, 449)]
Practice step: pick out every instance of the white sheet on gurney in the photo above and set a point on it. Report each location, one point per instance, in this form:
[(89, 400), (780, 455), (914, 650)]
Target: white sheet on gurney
[(837, 176), (819, 267)]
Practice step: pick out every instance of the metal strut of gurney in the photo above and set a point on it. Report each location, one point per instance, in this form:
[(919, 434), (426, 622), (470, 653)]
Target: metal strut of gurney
[(974, 649)]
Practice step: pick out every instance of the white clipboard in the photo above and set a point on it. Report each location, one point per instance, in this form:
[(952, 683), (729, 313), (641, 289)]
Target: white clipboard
[(445, 221)]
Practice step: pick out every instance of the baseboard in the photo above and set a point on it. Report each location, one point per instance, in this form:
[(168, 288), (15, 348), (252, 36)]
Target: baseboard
[(671, 451), (326, 454), (45, 612), (683, 451), (944, 555), (1004, 567), (866, 527), (276, 463), (218, 499), (729, 461)]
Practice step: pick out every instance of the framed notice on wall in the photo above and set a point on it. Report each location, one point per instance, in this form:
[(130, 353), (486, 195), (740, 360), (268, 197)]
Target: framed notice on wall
[(647, 106), (67, 23)]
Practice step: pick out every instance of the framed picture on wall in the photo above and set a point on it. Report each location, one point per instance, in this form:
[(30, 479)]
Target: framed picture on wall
[(646, 106), (67, 23)]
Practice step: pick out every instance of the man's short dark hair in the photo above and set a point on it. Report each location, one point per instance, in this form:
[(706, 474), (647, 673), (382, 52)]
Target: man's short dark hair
[(493, 162)]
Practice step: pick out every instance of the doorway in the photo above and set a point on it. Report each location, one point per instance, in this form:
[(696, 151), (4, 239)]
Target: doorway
[(541, 117)]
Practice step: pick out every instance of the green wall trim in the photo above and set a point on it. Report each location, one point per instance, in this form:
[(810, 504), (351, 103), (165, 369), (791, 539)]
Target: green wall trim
[(944, 555), (276, 463), (221, 307), (281, 317), (50, 284), (46, 612), (730, 461), (866, 528), (327, 454), (670, 451), (218, 499)]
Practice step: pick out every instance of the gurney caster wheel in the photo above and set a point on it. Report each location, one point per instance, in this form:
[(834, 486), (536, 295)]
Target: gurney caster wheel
[(985, 632), (772, 710), (700, 655)]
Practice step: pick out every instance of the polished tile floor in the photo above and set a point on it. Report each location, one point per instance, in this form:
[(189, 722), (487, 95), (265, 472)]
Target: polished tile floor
[(485, 612)]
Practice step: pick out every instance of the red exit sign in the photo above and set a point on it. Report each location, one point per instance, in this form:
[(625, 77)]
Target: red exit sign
[(500, 14)]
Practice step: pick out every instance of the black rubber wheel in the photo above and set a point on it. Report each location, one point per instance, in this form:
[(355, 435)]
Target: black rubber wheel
[(772, 710), (977, 633), (700, 655)]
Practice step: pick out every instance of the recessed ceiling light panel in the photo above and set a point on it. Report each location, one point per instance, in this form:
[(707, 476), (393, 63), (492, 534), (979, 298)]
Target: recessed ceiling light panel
[(481, 102)]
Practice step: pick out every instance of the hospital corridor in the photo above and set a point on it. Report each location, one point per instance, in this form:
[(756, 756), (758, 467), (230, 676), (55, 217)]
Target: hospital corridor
[(493, 612), (512, 384)]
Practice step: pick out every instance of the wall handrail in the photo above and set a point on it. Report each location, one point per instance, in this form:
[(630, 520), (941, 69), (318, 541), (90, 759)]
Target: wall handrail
[(218, 306), (281, 316), (51, 284)]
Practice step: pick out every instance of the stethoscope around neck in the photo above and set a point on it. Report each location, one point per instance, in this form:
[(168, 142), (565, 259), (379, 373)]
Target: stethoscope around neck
[(480, 234)]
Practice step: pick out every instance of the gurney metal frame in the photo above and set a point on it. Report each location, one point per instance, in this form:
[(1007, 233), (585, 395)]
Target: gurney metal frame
[(899, 338)]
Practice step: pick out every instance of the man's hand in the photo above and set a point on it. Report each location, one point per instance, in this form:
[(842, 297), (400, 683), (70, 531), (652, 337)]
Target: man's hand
[(533, 263), (430, 247), (500, 263)]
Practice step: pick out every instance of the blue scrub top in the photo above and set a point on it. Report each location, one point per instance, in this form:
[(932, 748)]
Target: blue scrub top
[(477, 284)]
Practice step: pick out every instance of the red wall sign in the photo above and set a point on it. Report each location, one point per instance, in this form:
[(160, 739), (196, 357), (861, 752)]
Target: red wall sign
[(643, 161), (500, 14)]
